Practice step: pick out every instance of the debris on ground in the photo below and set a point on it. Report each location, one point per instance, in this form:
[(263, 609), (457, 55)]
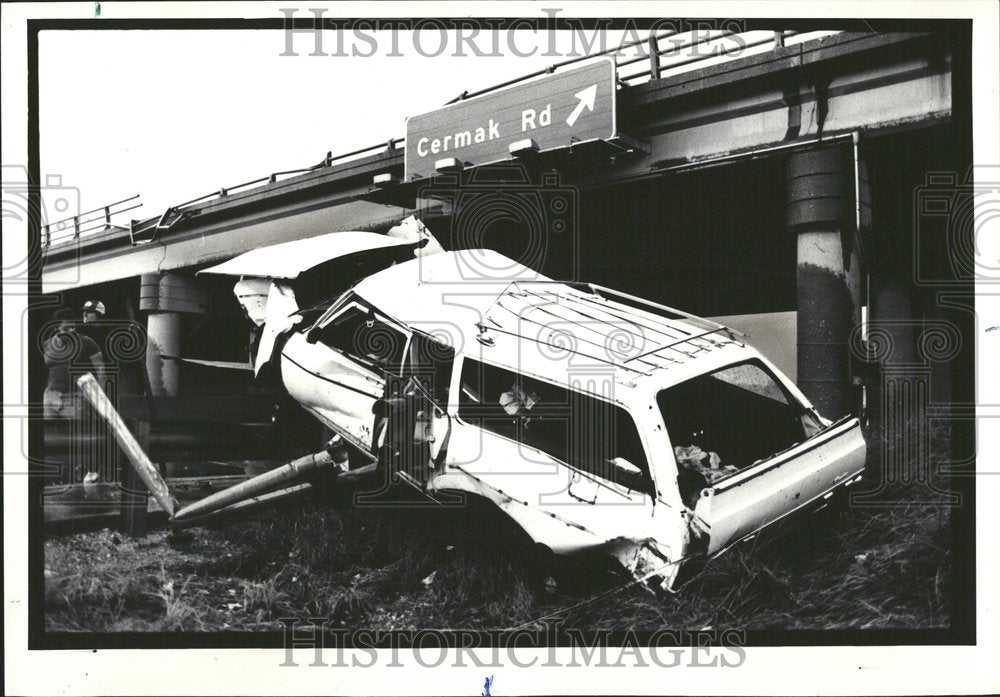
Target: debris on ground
[(361, 568)]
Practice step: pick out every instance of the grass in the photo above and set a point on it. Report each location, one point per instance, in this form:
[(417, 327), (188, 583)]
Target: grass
[(415, 568)]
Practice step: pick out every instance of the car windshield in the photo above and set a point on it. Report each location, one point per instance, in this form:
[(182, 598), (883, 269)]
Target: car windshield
[(727, 420)]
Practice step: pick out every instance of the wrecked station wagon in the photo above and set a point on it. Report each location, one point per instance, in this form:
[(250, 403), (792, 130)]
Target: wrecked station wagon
[(595, 420)]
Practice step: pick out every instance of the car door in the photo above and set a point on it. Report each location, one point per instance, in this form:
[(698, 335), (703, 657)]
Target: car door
[(760, 452), (750, 500), (413, 427), (337, 369)]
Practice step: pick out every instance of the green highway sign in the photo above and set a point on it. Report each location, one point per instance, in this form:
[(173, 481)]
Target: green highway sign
[(554, 111)]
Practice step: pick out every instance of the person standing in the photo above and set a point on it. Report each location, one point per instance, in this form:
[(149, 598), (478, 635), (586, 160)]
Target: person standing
[(68, 354), (94, 313)]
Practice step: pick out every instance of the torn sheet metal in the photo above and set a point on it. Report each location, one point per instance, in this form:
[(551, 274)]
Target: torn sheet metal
[(413, 230), (289, 260), (281, 307), (649, 562), (251, 293)]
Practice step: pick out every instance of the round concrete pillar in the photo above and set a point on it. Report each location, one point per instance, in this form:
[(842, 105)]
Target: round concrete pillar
[(166, 298), (820, 190), (163, 331)]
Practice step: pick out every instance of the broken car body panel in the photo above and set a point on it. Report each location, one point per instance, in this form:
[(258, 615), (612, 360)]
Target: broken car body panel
[(751, 499), (337, 368), (288, 260), (596, 421), (268, 275)]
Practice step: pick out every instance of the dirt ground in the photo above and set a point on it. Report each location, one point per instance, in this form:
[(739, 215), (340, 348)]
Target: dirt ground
[(468, 567), (248, 575), (416, 568)]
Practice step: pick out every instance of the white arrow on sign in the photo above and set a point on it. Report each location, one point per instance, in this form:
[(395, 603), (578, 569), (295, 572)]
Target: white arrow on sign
[(586, 98)]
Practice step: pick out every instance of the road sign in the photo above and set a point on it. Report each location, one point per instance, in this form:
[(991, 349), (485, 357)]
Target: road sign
[(554, 111)]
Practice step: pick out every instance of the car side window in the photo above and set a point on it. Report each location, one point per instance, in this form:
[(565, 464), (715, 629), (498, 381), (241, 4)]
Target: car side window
[(431, 363), (361, 335), (584, 432)]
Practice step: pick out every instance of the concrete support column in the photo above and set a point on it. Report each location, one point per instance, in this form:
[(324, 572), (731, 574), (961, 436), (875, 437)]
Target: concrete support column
[(820, 190), (163, 331), (166, 298)]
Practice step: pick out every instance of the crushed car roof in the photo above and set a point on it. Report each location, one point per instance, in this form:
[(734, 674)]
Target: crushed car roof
[(290, 259), (483, 304)]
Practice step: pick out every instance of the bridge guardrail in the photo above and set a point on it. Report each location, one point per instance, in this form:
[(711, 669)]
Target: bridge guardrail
[(71, 228), (662, 55)]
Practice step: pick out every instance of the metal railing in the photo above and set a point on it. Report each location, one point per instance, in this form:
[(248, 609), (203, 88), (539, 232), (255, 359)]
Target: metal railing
[(653, 61), (72, 227), (665, 62), (327, 161), (720, 44)]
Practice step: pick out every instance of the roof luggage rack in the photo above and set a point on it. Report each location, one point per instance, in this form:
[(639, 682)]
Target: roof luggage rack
[(713, 326), (574, 302), (598, 290)]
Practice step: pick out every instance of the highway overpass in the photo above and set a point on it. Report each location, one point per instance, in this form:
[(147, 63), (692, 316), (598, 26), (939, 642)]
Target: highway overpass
[(771, 178)]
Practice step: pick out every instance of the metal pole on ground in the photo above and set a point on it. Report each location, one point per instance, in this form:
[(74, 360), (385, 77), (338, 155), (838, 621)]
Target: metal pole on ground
[(134, 492), (144, 468)]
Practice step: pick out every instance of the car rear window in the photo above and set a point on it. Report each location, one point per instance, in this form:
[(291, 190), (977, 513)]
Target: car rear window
[(727, 420)]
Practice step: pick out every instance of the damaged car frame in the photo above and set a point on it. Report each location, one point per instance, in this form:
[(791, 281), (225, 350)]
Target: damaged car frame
[(595, 420)]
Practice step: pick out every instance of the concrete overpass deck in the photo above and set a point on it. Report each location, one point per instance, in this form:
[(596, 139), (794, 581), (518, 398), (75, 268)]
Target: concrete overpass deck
[(737, 105)]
